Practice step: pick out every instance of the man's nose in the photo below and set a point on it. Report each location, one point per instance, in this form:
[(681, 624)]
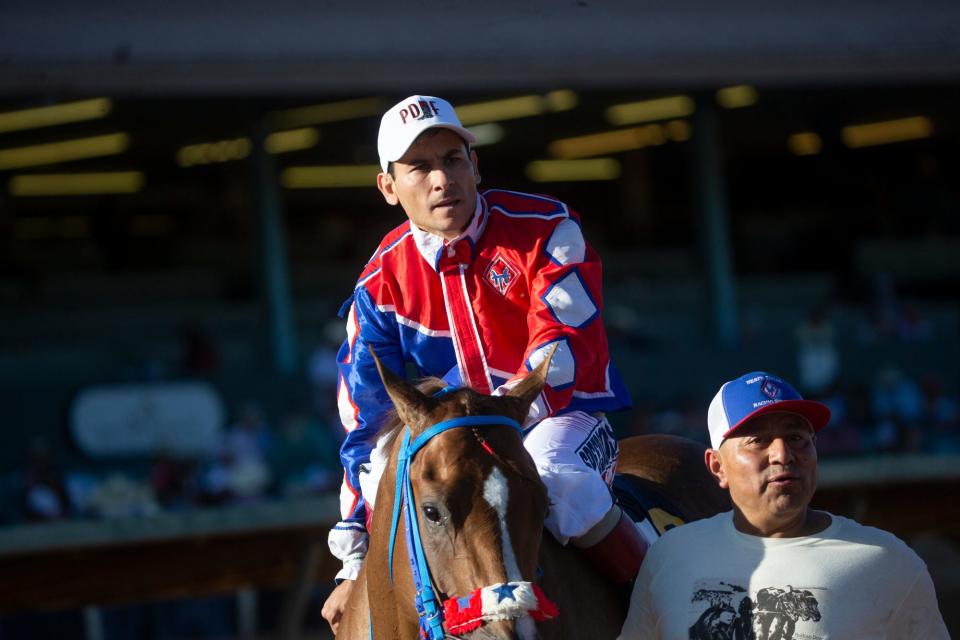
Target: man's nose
[(440, 178), (779, 451)]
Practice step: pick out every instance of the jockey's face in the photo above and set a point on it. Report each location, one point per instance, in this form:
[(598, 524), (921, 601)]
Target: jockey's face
[(770, 468), (435, 182)]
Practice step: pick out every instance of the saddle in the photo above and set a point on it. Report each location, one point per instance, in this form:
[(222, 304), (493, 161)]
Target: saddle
[(653, 514)]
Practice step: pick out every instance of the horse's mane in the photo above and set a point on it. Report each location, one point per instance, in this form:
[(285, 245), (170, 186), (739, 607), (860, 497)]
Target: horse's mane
[(392, 424)]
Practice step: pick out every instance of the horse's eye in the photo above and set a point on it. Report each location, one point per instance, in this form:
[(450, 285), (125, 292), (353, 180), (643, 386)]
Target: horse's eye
[(432, 514)]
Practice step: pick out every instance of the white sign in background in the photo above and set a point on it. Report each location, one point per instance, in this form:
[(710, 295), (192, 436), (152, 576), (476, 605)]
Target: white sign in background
[(181, 418)]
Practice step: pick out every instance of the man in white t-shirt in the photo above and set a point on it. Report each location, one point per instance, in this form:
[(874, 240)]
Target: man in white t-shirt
[(773, 568)]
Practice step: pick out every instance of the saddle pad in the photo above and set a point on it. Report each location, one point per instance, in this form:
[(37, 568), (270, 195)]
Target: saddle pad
[(642, 503)]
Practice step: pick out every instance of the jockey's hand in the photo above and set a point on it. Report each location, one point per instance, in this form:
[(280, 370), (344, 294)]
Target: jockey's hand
[(333, 608)]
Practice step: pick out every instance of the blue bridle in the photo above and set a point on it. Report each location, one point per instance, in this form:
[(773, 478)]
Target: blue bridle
[(428, 606)]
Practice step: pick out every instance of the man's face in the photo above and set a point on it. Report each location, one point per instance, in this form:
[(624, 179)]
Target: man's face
[(435, 182), (770, 468)]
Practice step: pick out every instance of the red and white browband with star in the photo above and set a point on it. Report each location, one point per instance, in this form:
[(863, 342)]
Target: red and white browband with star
[(505, 601)]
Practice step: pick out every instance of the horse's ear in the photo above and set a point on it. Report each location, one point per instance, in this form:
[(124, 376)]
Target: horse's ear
[(531, 385), (411, 404)]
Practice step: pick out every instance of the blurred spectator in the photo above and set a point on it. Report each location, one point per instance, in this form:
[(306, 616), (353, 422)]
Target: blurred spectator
[(885, 307), (893, 318), (240, 470), (172, 480), (896, 402), (322, 371), (199, 355), (939, 417), (249, 436), (818, 360), (44, 492), (304, 458), (120, 496), (895, 395), (844, 435), (912, 326)]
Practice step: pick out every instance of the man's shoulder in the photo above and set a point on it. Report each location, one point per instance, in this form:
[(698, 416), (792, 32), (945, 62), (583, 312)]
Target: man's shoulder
[(390, 247), (693, 532), (531, 206), (853, 532)]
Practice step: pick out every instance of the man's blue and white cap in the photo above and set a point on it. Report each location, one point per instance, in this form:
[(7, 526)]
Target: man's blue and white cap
[(755, 394), (410, 117)]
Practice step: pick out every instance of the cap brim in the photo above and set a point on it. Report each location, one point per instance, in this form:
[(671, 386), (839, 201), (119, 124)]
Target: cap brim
[(817, 414), (463, 131)]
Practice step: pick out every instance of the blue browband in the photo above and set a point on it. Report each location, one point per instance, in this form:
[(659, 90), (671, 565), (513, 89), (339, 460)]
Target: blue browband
[(426, 602)]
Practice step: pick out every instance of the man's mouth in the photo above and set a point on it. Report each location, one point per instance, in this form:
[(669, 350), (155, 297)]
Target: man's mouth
[(783, 479), (446, 202)]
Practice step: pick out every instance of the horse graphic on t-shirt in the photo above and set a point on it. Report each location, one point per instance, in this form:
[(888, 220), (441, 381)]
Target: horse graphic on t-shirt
[(771, 615)]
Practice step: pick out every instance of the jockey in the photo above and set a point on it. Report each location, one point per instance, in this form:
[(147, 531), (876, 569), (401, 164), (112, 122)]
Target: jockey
[(477, 287)]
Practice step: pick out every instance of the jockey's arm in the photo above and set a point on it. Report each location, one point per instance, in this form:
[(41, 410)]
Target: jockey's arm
[(362, 403), (565, 303)]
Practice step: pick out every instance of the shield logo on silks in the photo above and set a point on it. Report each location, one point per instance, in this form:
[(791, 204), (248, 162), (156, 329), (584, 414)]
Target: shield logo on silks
[(500, 275), (770, 389)]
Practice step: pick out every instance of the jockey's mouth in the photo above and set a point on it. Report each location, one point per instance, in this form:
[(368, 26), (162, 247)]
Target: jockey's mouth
[(446, 202)]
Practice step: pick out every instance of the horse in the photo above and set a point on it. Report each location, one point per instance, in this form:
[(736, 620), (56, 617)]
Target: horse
[(476, 501)]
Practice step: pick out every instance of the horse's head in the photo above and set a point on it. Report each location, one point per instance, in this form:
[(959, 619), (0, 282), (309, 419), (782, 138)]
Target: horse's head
[(478, 499)]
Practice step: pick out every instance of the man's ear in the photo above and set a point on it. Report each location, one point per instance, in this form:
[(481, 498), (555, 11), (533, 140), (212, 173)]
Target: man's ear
[(386, 185), (476, 166), (711, 458)]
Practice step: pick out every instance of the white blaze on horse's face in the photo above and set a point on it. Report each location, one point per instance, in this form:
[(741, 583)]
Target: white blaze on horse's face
[(496, 491)]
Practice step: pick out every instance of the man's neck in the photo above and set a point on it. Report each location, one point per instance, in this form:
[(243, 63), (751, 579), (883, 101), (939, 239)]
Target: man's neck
[(805, 523)]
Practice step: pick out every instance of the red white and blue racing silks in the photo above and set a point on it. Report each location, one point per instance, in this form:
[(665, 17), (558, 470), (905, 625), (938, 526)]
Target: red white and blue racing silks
[(479, 311)]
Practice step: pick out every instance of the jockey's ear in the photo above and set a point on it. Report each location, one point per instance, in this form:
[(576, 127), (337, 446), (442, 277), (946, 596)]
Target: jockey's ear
[(411, 404), (531, 385)]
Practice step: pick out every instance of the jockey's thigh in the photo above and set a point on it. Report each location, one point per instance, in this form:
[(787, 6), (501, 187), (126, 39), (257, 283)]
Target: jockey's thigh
[(576, 456)]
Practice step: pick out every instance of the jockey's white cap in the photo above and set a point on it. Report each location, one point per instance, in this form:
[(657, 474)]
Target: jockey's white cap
[(410, 117)]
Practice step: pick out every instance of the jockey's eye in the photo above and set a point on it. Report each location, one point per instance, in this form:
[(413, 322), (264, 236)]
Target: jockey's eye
[(433, 514)]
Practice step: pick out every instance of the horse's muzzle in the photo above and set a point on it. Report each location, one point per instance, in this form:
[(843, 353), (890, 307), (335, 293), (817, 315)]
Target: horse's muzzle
[(522, 602), (505, 630)]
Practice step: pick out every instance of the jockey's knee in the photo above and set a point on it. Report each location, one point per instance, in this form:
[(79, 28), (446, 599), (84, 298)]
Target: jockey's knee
[(579, 499), (576, 456)]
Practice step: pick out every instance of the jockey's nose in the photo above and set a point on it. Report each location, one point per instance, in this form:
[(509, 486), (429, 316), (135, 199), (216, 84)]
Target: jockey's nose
[(440, 179)]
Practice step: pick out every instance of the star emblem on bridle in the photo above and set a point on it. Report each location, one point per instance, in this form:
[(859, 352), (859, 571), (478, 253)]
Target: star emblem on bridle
[(505, 591)]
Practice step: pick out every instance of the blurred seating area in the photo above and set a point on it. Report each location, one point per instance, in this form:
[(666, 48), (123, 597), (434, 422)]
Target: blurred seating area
[(881, 353), (279, 437), (886, 363)]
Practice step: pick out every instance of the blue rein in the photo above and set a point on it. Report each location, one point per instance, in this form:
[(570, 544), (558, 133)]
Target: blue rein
[(428, 606)]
